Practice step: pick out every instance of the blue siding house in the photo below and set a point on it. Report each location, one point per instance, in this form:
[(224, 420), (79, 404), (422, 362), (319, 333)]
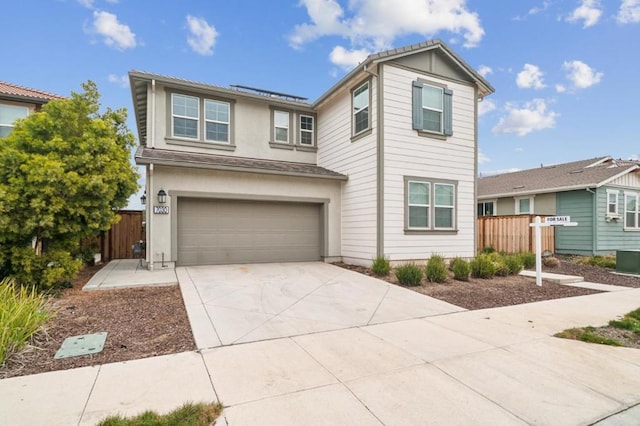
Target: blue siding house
[(601, 194)]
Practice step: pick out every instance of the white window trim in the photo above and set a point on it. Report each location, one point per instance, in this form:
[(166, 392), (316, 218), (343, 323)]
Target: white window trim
[(311, 132), (531, 206), (616, 214), (636, 212), (276, 127), (428, 206), (197, 118), (228, 123), (354, 113), (452, 207), (495, 207), (441, 111)]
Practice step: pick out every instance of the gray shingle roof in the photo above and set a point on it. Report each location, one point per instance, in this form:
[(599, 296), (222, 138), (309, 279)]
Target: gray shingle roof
[(560, 177), (240, 164)]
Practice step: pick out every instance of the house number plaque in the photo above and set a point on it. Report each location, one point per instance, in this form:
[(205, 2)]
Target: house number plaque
[(161, 209)]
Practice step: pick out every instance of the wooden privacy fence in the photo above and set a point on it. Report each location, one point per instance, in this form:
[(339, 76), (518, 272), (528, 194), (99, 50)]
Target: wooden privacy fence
[(512, 234), (117, 242)]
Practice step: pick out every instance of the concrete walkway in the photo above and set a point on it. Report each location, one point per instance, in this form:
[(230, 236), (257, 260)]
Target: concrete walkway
[(492, 366), (125, 273)]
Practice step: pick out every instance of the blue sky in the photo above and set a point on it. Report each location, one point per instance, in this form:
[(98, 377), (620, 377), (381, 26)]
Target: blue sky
[(566, 72)]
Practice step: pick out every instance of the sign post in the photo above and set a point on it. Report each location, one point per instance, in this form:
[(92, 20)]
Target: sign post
[(538, 225)]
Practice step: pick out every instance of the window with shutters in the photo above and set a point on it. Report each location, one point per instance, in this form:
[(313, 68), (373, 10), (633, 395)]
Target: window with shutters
[(432, 109)]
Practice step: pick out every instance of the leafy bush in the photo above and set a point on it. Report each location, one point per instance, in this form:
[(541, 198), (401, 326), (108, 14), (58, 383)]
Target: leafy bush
[(436, 269), (22, 313), (528, 259), (460, 268), (603, 261), (514, 264), (500, 268), (381, 266), (488, 250), (409, 274), (482, 266), (550, 262), (42, 271)]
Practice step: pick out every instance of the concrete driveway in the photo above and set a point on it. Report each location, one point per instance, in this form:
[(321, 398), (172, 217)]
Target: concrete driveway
[(229, 304)]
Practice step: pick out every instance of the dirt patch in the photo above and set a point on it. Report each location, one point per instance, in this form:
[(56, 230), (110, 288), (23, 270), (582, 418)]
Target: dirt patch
[(140, 322), (594, 274), (490, 293)]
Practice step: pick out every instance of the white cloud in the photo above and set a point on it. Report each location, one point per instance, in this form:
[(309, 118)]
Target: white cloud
[(536, 10), (484, 70), (347, 59), (533, 116), (482, 158), (86, 3), (374, 25), (485, 107), (589, 11), (120, 80), (629, 12), (530, 78), (115, 34), (518, 149), (634, 157), (499, 172), (561, 88), (202, 37), (581, 75)]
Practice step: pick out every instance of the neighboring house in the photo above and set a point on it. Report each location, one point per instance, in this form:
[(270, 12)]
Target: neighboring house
[(18, 102), (601, 194), (383, 163)]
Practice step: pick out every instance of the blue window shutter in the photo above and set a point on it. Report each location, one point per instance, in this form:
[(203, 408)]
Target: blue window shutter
[(417, 105), (448, 121)]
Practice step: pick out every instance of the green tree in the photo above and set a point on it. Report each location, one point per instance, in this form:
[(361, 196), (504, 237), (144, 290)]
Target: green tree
[(64, 173)]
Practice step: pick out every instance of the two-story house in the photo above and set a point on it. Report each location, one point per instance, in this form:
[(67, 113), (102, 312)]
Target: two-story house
[(382, 164), (18, 102)]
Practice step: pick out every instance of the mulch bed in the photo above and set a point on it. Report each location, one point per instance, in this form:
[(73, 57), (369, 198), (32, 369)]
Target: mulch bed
[(140, 322), (569, 266), (490, 293)]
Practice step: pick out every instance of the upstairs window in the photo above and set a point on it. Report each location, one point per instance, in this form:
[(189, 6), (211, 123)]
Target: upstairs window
[(306, 130), (432, 108), (185, 112), (281, 126), (216, 118), (361, 109), (8, 115)]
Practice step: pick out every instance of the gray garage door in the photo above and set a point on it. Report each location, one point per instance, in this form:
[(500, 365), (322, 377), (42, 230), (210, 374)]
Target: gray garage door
[(214, 232)]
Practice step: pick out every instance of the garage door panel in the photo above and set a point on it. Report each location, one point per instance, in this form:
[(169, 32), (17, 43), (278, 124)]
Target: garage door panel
[(232, 231)]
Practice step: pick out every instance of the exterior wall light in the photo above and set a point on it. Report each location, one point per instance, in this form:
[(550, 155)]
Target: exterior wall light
[(162, 196), (143, 199)]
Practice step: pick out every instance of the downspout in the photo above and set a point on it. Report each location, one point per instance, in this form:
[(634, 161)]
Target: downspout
[(379, 162), (152, 128), (594, 224), (150, 200)]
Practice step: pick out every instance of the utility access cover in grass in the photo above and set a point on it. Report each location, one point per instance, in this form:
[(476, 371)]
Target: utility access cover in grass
[(81, 345)]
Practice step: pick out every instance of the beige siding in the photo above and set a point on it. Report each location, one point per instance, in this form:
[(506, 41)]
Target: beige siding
[(408, 154), (630, 180), (545, 204), (201, 183), (506, 206), (251, 124), (357, 160)]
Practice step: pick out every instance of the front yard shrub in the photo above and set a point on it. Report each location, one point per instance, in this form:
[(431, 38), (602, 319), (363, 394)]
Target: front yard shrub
[(409, 274), (550, 262), (381, 266), (482, 266), (45, 270), (22, 313), (436, 269), (460, 268), (514, 264), (500, 268), (488, 250), (528, 259), (602, 261)]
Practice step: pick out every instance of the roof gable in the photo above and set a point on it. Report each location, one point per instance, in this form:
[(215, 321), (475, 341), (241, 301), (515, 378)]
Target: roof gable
[(582, 174)]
